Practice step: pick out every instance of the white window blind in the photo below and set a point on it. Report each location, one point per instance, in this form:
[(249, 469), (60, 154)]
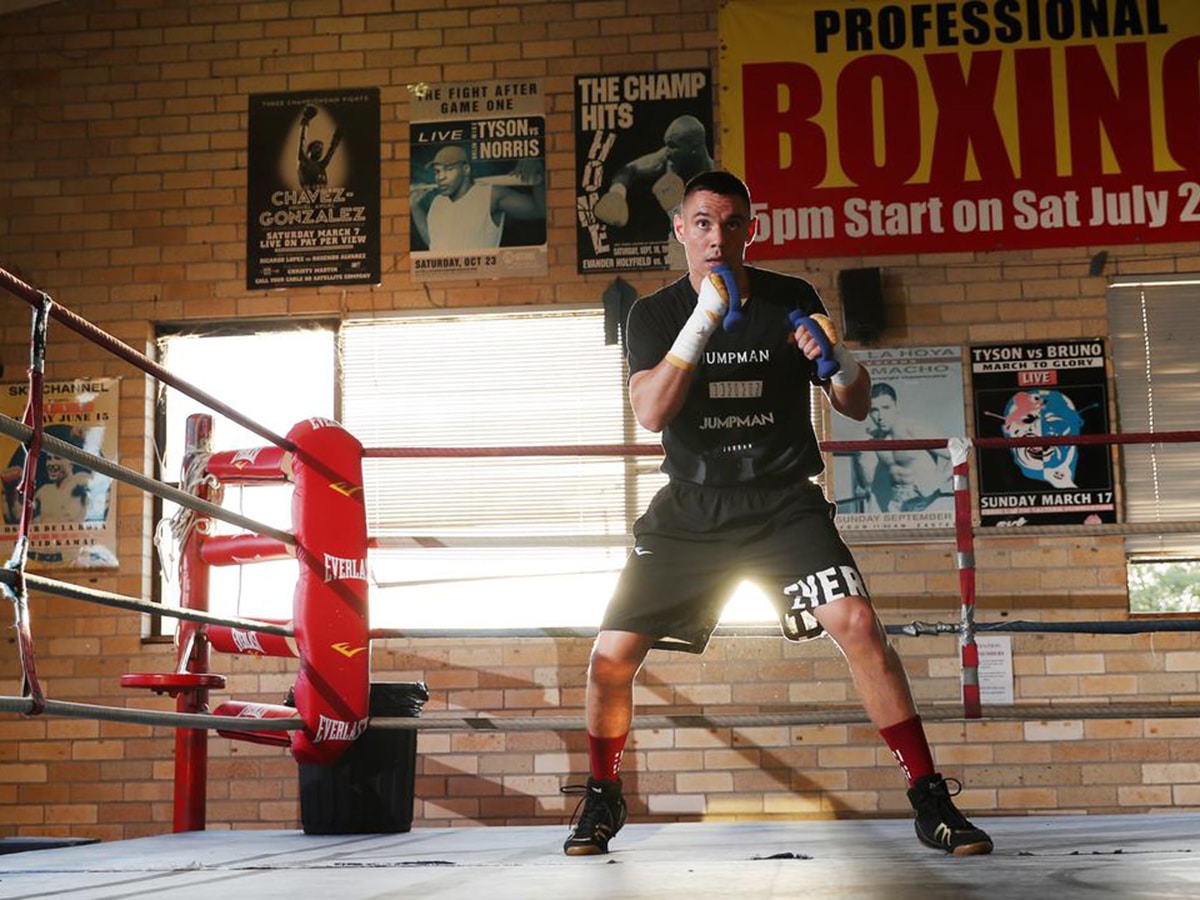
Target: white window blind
[(494, 541), (276, 377), (1155, 328)]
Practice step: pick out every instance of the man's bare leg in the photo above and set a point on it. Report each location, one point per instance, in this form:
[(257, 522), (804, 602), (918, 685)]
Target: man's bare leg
[(616, 658), (875, 666), (883, 685)]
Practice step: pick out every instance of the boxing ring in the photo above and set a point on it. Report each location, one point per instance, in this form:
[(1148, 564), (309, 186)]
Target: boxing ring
[(1063, 857), (329, 634)]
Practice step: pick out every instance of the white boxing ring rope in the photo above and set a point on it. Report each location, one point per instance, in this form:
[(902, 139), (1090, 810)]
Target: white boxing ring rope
[(135, 716), (15, 581), (795, 718), (10, 577), (18, 579), (22, 432)]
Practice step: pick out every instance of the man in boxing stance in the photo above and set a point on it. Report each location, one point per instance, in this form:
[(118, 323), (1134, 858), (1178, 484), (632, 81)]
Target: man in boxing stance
[(733, 409)]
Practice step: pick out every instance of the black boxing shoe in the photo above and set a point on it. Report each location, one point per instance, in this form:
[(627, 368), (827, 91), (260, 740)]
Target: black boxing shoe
[(602, 817), (939, 824)]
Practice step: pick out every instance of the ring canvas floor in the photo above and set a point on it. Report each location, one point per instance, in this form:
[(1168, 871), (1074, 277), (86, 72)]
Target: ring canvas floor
[(1047, 858)]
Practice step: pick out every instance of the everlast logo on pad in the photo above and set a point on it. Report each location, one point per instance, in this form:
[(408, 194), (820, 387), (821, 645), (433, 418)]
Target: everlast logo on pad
[(338, 569), (244, 458), (336, 730), (246, 641)]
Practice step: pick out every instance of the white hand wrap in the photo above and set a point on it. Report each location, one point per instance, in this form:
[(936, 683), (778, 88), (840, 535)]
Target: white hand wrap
[(848, 373), (710, 310)]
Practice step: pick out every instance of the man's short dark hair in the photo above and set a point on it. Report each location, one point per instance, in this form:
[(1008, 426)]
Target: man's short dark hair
[(720, 182), (882, 388)]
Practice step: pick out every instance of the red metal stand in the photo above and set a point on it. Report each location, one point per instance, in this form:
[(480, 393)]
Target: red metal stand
[(191, 744), (190, 683)]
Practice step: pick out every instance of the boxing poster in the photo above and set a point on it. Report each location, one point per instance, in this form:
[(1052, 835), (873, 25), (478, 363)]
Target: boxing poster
[(639, 137), (916, 392), (1056, 388), (877, 127), (312, 198), (477, 192), (74, 514)]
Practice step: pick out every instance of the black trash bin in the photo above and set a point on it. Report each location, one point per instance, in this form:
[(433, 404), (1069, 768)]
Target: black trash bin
[(369, 790)]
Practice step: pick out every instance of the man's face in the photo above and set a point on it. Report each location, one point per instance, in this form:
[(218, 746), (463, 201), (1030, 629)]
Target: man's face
[(883, 413), (714, 229), (450, 177), (57, 468), (683, 145)]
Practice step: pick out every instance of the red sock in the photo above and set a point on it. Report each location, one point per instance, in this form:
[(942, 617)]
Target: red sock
[(907, 742), (605, 754)]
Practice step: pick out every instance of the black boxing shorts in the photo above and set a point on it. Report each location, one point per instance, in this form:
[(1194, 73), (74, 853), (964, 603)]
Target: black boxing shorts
[(695, 544)]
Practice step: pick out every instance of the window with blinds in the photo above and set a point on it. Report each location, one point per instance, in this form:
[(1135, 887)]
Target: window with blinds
[(494, 541), (1155, 329), (275, 375), (458, 542)]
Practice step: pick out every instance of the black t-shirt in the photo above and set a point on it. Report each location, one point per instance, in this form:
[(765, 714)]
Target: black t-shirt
[(747, 417)]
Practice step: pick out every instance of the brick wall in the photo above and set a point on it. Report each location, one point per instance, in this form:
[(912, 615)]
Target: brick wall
[(122, 179)]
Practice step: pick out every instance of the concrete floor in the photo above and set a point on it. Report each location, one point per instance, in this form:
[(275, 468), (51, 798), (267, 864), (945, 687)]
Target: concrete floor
[(1057, 858)]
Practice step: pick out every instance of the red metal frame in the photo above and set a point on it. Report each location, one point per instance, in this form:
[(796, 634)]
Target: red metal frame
[(191, 744)]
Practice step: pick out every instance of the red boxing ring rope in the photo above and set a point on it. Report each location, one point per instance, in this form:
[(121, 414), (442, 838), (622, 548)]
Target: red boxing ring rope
[(30, 686), (1160, 437), (964, 530), (82, 326)]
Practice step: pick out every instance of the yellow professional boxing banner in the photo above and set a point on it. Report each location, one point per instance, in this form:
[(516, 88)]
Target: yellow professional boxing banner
[(872, 127)]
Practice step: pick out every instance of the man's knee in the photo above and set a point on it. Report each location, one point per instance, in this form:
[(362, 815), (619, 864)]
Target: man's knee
[(615, 663), (851, 621), (609, 672)]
